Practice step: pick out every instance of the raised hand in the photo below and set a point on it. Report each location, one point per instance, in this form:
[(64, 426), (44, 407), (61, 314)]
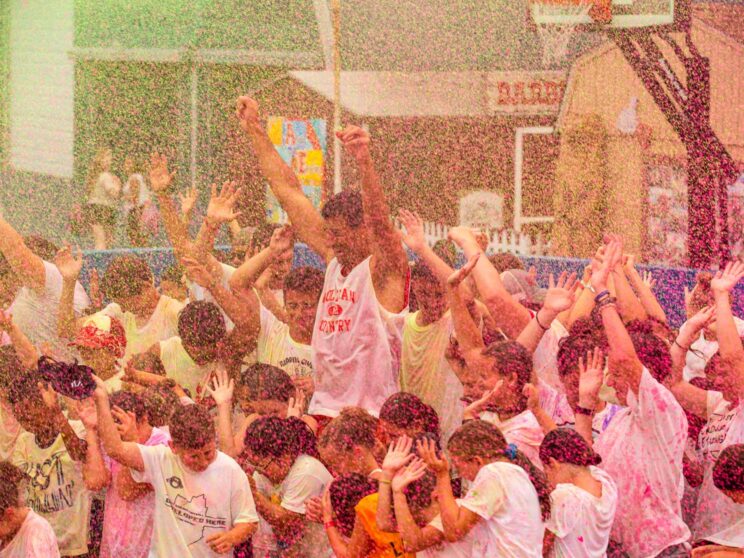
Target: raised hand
[(199, 273), (356, 141), (126, 424), (69, 263), (86, 412), (474, 409), (304, 383), (461, 235), (532, 395), (601, 269), (414, 234), (561, 295), (101, 392), (247, 112), (282, 240), (725, 280), (591, 377), (648, 279), (408, 474), (427, 451), (461, 274), (221, 204), (160, 178), (48, 396), (703, 319), (296, 405), (222, 387), (398, 455), (188, 200)]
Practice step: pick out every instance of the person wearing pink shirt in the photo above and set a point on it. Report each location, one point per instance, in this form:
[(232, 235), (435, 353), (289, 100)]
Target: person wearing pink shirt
[(643, 446)]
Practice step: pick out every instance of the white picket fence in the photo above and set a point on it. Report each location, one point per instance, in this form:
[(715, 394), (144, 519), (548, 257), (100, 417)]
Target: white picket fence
[(499, 240)]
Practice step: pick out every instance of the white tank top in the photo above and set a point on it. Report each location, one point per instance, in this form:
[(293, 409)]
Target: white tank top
[(353, 345)]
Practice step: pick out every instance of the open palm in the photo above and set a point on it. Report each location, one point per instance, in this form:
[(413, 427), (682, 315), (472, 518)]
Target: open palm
[(414, 233), (160, 178), (561, 295), (726, 280), (220, 208)]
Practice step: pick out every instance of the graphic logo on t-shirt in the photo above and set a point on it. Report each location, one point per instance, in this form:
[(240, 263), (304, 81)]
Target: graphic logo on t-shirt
[(48, 489), (195, 512), (175, 482), (333, 310)]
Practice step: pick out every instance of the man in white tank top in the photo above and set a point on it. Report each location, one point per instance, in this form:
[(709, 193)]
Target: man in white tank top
[(366, 278)]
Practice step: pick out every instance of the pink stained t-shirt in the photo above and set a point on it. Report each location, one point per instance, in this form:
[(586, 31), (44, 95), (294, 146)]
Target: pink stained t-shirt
[(127, 526), (354, 344), (522, 430), (642, 450)]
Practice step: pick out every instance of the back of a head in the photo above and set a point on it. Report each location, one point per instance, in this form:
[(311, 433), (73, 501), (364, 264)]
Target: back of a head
[(201, 324), (570, 350), (160, 401), (347, 205), (504, 261), (126, 276), (266, 382), (352, 427), (305, 279), (702, 295), (172, 273), (420, 272), (24, 388), (652, 351), (346, 491), (10, 479), (567, 446), (728, 471), (10, 366), (446, 250), (511, 358), (191, 427), (274, 437), (45, 249), (406, 410)]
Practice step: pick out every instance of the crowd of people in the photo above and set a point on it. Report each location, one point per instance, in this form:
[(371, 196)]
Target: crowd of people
[(377, 409)]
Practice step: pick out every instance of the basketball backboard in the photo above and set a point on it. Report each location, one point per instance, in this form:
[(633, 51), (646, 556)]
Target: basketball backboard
[(620, 14)]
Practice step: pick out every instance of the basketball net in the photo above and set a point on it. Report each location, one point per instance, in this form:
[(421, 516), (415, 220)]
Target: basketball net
[(555, 37)]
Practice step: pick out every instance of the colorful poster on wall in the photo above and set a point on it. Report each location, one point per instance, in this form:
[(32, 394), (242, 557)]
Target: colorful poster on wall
[(302, 145)]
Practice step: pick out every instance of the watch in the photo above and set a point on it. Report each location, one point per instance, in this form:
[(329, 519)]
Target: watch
[(579, 410)]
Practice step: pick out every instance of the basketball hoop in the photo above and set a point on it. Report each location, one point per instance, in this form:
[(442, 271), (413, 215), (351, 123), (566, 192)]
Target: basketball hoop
[(556, 24)]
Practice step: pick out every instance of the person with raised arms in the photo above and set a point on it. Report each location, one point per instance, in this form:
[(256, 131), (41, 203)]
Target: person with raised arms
[(366, 277)]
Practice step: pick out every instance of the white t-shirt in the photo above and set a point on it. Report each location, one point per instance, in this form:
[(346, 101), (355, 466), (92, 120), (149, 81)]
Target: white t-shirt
[(35, 539), (702, 350), (307, 478), (180, 367), (504, 497), (162, 325), (545, 358), (458, 549), (642, 450), (35, 313), (9, 431), (581, 521), (276, 347), (718, 518), (189, 506), (556, 405), (56, 489), (354, 346), (522, 430), (425, 372)]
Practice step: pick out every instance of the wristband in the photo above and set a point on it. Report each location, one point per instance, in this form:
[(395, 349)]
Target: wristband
[(601, 296), (328, 524), (383, 481), (680, 346), (579, 410), (537, 319), (605, 302)]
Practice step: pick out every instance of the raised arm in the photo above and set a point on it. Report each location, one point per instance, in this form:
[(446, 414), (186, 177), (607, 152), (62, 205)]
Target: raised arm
[(628, 306), (27, 266), (24, 349), (643, 286), (75, 446), (693, 399), (389, 261), (509, 314), (729, 342), (245, 277), (283, 182), (69, 265), (221, 390), (96, 475), (415, 240), (398, 456), (414, 538), (622, 354), (126, 453), (161, 183), (219, 211)]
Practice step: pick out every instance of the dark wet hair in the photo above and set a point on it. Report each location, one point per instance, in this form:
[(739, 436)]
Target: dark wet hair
[(10, 479), (351, 428), (10, 366), (148, 362), (511, 357), (570, 350), (652, 351), (172, 273), (25, 388), (130, 402), (477, 438), (504, 261), (201, 324), (191, 427), (421, 272), (267, 382), (347, 205), (568, 446), (346, 491), (274, 437), (728, 471), (702, 295), (406, 410), (160, 401), (45, 249), (305, 279), (126, 276)]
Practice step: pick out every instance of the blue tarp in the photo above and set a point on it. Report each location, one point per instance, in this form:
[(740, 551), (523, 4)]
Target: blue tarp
[(669, 289)]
